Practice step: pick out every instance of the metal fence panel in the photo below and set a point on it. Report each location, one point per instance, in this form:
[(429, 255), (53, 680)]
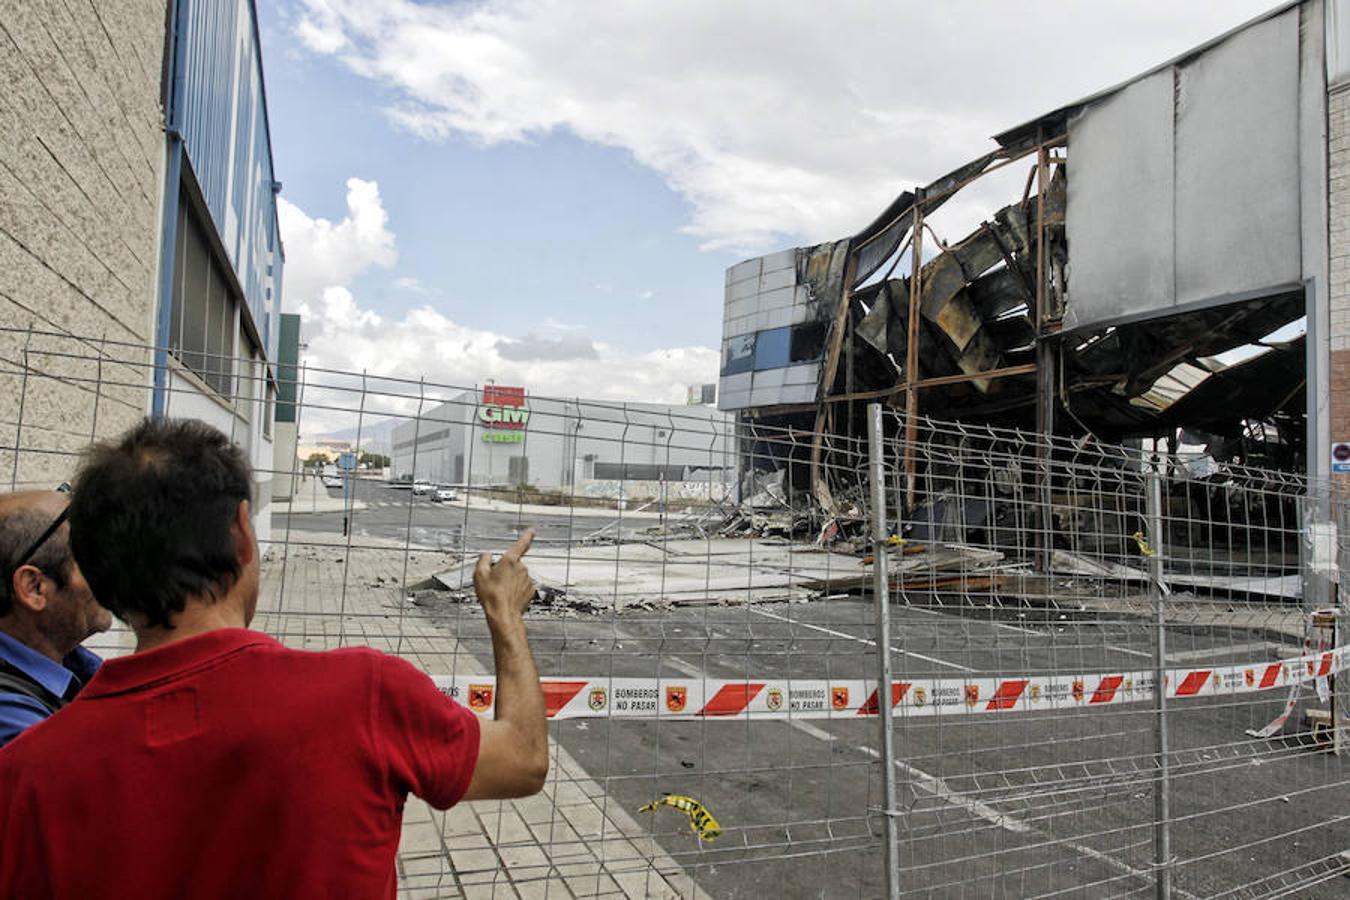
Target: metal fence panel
[(713, 634)]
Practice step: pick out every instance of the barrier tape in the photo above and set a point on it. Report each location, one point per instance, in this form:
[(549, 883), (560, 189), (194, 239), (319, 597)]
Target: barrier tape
[(1314, 642), (585, 697)]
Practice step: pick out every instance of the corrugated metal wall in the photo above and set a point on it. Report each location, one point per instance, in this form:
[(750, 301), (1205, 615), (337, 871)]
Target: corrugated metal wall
[(225, 135)]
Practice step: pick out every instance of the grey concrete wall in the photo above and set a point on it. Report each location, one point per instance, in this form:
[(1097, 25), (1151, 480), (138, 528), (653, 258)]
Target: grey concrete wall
[(81, 160), (285, 467), (1338, 158), (559, 437), (1338, 121)]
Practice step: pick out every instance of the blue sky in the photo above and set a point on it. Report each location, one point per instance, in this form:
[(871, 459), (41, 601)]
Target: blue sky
[(548, 193), (510, 237)]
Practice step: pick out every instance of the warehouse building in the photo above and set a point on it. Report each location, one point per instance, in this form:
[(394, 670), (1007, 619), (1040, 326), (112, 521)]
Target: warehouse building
[(140, 262), (1171, 261), (503, 436)]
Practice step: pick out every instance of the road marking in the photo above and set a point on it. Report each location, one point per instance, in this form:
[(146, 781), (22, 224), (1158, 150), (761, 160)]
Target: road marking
[(938, 612), (819, 734), (830, 631), (1186, 655), (1144, 654), (938, 788), (680, 665)]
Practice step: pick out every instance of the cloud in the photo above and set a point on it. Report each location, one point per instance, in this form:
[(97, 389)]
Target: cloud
[(361, 365), (414, 285), (531, 348), (320, 254), (345, 340), (775, 121)]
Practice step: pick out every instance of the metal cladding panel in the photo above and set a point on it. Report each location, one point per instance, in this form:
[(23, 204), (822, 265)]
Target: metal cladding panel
[(733, 391), (223, 118), (1338, 41), (1237, 164), (1119, 219), (288, 361), (1185, 184)]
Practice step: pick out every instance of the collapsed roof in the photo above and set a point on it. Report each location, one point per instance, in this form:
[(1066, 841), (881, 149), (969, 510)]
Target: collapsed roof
[(1150, 276)]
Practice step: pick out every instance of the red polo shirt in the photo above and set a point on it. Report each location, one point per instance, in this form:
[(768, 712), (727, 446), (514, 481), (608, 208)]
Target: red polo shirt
[(226, 765)]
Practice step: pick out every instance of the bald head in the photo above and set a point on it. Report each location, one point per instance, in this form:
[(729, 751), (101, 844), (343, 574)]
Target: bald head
[(48, 503), (24, 516)]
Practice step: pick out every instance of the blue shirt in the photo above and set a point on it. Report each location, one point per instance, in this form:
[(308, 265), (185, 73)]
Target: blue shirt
[(18, 711)]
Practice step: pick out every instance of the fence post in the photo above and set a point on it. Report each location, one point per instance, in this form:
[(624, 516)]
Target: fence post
[(1162, 786), (881, 592)]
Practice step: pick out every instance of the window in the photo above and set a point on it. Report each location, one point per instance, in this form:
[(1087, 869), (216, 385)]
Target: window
[(245, 385), (808, 342), (202, 321), (518, 470), (738, 355), (771, 348), (708, 394), (267, 410), (774, 348)]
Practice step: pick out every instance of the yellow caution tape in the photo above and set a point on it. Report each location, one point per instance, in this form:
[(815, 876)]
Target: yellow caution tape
[(1143, 544), (701, 822)]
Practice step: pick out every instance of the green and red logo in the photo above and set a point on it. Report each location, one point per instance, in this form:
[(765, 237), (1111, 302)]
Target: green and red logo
[(503, 414)]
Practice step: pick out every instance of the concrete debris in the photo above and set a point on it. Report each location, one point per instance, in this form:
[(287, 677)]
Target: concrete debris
[(642, 575), (764, 490), (1063, 562), (1278, 587)]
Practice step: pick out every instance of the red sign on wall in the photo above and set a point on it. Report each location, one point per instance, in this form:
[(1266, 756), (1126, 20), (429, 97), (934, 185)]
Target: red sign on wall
[(496, 395), (503, 414)]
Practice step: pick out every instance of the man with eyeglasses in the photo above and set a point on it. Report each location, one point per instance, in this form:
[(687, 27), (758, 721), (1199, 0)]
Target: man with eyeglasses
[(46, 611)]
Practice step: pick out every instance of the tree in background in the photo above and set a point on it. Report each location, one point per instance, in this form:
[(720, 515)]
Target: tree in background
[(372, 460), (317, 459)]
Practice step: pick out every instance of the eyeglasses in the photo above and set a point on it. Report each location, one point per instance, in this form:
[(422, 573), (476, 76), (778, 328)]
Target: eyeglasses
[(62, 488)]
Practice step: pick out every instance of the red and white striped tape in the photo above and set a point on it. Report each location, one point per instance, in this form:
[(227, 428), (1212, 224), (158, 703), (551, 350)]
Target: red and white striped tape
[(711, 698)]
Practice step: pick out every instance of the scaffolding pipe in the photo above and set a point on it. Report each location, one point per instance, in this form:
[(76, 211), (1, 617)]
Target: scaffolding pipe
[(881, 591), (1162, 813)]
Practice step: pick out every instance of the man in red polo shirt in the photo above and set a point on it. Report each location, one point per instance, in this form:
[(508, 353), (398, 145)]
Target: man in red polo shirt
[(213, 761)]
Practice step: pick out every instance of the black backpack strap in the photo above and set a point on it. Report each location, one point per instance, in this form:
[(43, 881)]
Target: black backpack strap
[(13, 683)]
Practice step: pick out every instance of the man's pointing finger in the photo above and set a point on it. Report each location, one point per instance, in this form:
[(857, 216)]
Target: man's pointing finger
[(521, 546)]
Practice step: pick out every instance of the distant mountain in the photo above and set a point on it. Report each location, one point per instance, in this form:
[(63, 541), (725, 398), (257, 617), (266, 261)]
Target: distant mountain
[(375, 435)]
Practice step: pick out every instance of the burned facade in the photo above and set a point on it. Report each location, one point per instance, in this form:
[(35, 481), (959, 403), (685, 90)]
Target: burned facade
[(1161, 270)]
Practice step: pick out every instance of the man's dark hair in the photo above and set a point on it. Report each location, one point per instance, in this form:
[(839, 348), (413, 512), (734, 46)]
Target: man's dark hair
[(150, 517), (19, 528)]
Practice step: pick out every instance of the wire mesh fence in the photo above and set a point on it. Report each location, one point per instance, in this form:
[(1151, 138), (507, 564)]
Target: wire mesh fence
[(707, 629)]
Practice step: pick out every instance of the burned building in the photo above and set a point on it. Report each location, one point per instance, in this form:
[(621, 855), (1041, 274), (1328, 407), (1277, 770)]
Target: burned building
[(1171, 263)]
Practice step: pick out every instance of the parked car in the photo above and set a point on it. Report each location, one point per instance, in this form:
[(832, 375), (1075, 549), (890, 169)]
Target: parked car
[(332, 481), (444, 495), (422, 487)]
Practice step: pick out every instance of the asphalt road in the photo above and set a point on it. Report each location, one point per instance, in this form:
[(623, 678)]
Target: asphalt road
[(1014, 805), (396, 514)]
